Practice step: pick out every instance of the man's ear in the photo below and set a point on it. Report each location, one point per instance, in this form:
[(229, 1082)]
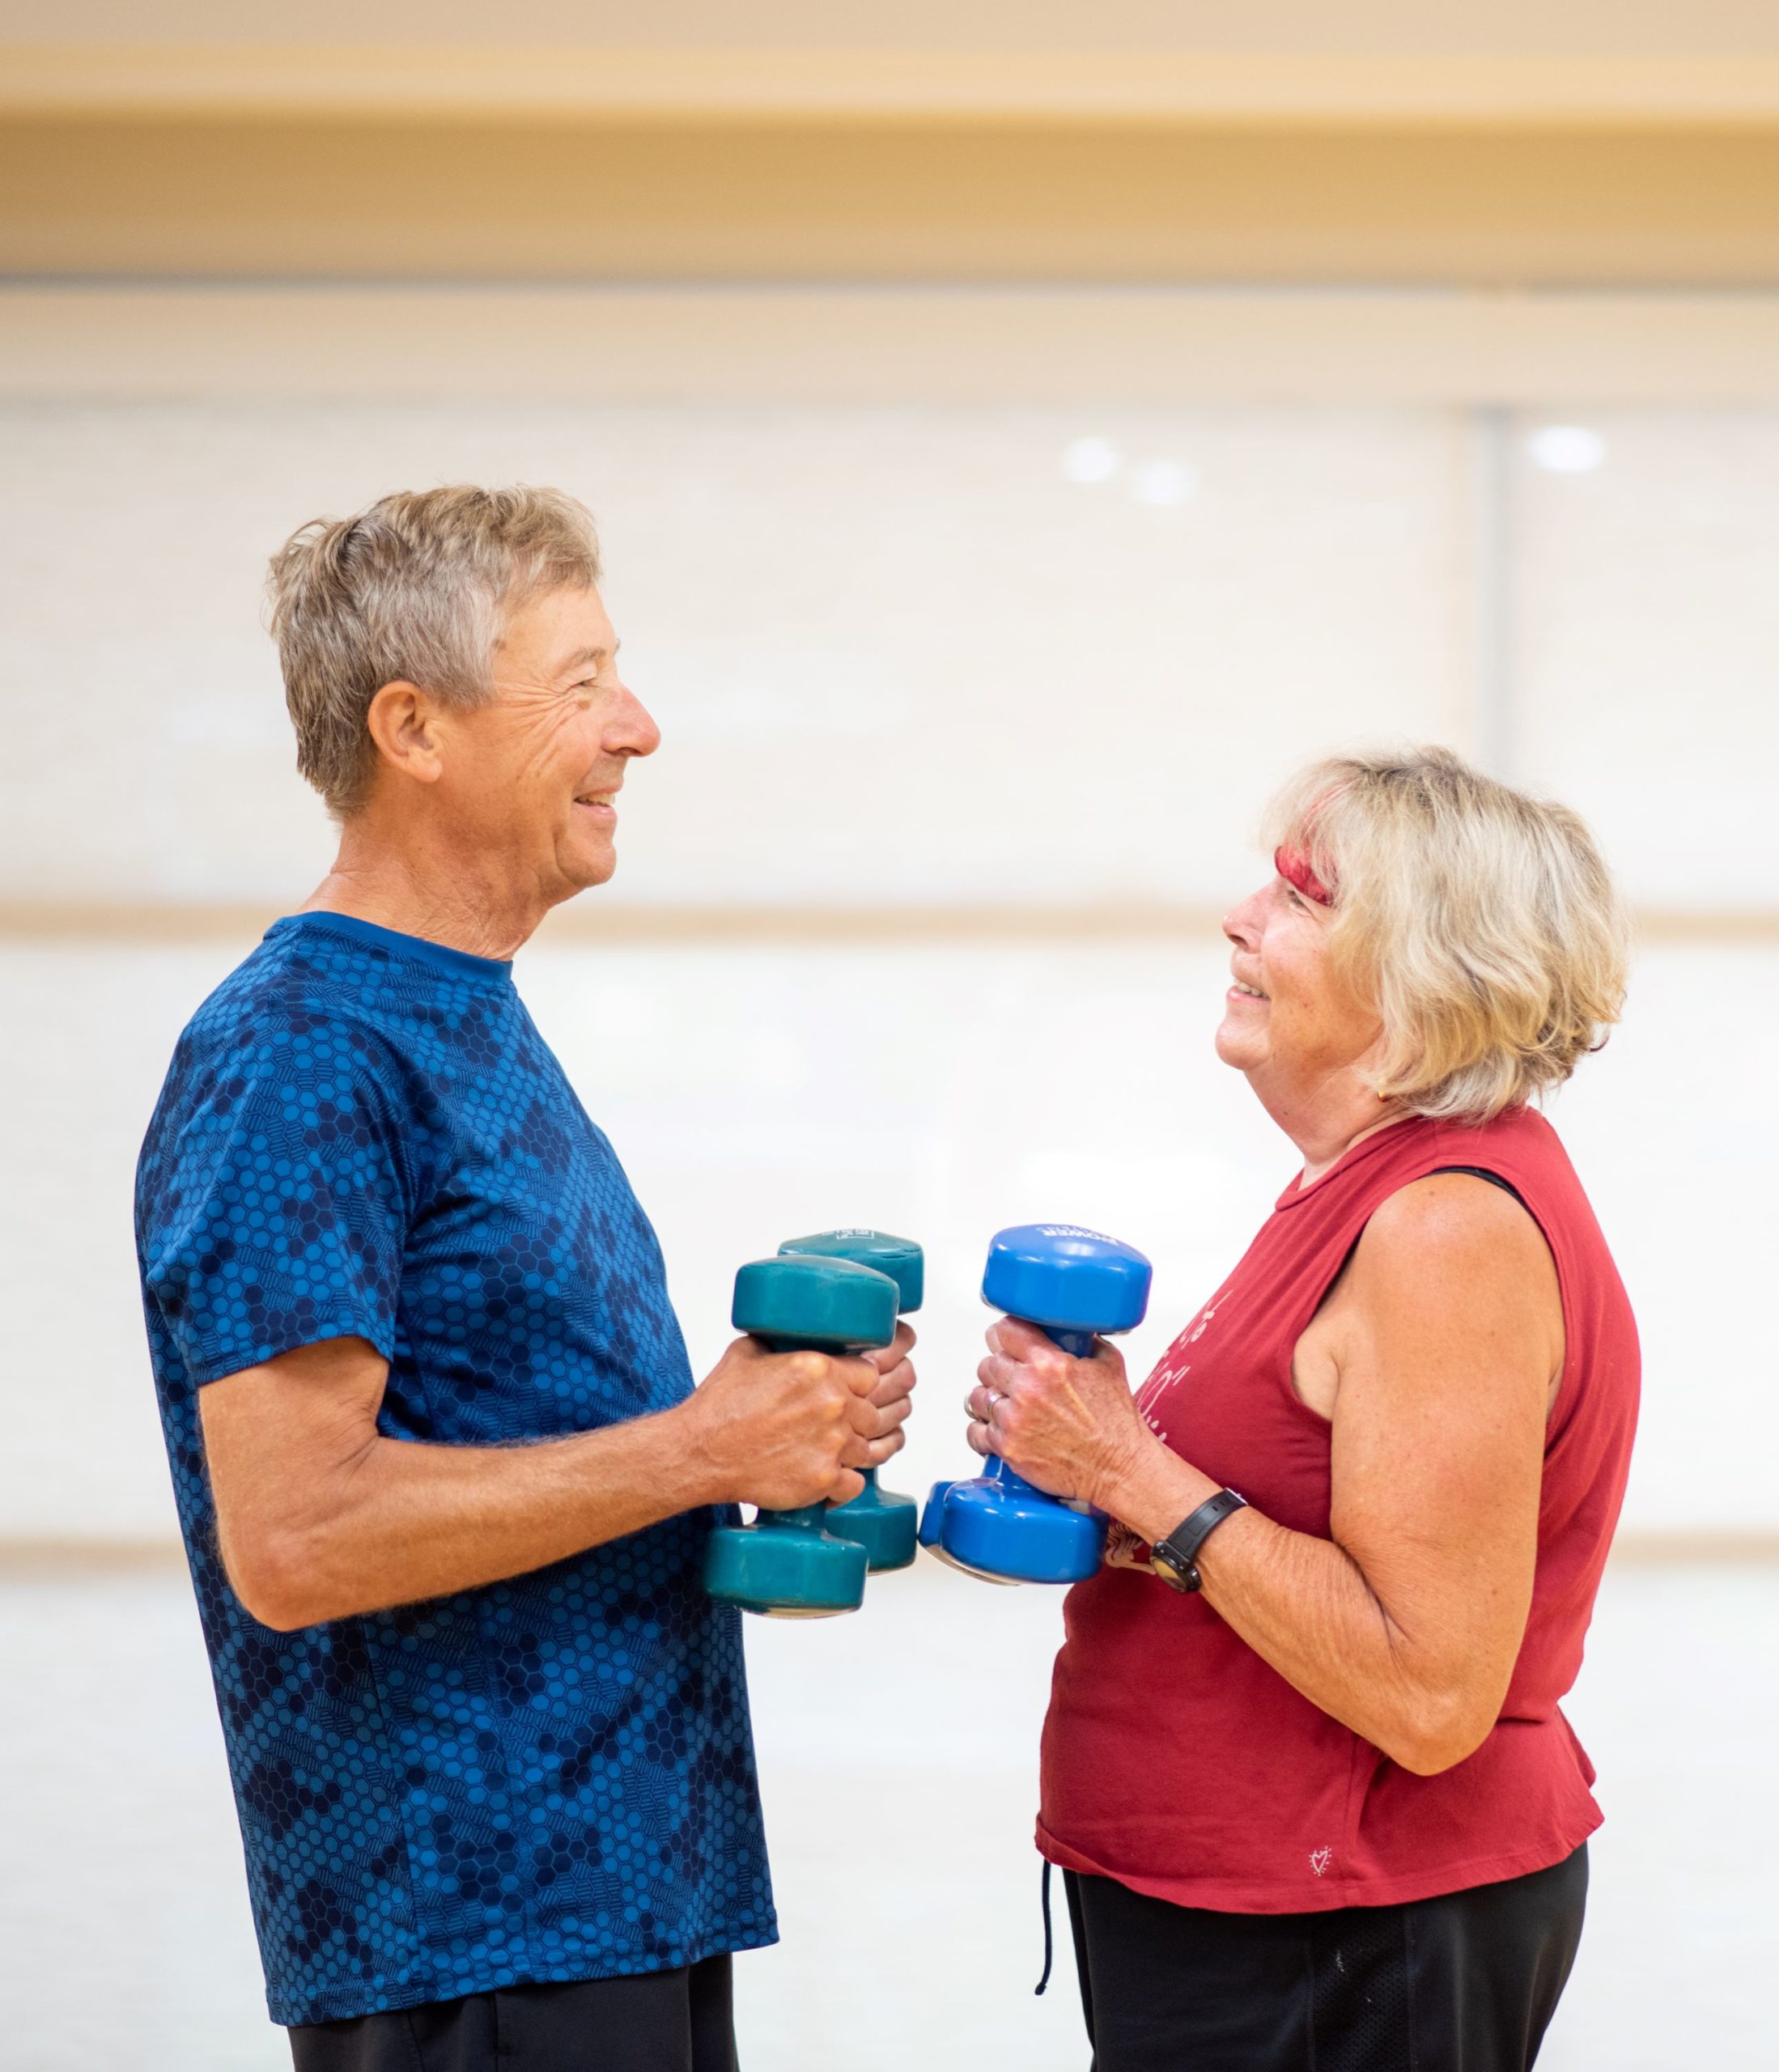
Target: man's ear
[(403, 723)]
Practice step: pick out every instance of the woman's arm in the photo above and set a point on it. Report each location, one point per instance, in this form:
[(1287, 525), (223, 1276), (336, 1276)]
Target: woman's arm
[(1444, 1334)]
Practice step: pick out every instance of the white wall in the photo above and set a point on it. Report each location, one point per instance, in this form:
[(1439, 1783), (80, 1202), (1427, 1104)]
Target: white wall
[(902, 657), (1647, 647), (898, 654), (943, 1092)]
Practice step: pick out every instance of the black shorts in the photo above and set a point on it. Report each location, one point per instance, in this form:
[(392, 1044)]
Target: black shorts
[(1467, 1982), (676, 2021)]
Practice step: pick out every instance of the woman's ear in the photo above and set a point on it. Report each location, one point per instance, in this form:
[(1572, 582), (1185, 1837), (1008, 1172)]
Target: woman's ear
[(403, 723)]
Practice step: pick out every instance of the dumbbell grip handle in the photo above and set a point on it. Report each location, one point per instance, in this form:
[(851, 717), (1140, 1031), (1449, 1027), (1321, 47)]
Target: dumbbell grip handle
[(1078, 1345), (806, 1517)]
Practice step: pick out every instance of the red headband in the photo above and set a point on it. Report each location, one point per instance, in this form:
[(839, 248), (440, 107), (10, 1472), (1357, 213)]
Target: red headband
[(1293, 866)]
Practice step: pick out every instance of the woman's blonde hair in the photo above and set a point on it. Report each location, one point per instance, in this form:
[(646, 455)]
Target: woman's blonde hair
[(1481, 923)]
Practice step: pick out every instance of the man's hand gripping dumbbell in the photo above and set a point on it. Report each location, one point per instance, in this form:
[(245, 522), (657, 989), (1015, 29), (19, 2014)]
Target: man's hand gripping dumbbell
[(784, 1429)]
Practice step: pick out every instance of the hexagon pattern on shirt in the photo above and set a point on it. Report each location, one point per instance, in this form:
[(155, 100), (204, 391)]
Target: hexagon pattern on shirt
[(361, 1134)]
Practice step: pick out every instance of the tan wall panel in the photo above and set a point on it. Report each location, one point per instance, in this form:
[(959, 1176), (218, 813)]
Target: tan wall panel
[(942, 201)]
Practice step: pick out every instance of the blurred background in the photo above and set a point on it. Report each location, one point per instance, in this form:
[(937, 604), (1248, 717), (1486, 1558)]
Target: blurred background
[(1019, 436)]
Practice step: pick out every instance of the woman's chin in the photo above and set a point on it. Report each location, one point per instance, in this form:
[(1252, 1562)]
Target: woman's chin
[(1238, 1046)]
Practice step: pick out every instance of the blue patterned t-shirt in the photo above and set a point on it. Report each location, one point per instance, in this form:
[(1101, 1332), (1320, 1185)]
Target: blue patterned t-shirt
[(363, 1135)]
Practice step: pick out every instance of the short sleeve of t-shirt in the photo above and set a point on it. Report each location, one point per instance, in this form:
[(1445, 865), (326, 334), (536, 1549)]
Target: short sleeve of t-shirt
[(279, 1203)]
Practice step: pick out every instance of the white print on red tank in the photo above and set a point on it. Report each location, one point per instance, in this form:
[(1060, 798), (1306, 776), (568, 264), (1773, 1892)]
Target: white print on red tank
[(1123, 1548)]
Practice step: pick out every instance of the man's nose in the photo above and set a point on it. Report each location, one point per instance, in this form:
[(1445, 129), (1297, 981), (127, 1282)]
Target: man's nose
[(633, 731)]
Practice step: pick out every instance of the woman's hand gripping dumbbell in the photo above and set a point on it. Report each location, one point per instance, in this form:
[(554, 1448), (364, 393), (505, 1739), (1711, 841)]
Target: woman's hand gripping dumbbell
[(1069, 1425), (1063, 1290)]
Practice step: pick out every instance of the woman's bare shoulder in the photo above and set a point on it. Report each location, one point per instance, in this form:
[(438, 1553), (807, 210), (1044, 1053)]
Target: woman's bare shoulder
[(1452, 1254), (1447, 1216)]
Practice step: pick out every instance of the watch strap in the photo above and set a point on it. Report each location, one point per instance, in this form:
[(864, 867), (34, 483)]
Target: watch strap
[(1180, 1549)]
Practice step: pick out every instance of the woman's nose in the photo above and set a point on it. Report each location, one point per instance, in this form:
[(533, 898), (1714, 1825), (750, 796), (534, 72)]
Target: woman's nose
[(1241, 924)]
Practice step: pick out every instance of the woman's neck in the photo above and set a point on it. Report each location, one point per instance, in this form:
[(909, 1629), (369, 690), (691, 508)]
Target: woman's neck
[(1328, 1157), (1324, 1119)]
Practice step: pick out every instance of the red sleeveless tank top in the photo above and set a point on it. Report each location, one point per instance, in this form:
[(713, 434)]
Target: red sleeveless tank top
[(1175, 1759)]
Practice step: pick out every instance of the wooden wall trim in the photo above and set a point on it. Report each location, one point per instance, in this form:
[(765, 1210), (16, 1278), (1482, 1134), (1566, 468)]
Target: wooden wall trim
[(75, 1558), (635, 923), (502, 81)]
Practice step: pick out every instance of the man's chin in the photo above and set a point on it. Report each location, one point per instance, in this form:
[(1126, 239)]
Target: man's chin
[(584, 868)]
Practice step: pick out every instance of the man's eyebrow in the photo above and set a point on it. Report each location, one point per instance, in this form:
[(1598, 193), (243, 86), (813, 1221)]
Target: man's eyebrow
[(585, 654)]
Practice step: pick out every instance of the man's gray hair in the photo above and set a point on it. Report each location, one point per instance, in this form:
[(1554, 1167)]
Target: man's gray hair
[(416, 588)]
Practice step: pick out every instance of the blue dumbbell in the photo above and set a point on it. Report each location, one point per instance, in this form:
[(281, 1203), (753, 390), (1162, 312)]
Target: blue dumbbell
[(1076, 1285), (881, 1521), (785, 1565)]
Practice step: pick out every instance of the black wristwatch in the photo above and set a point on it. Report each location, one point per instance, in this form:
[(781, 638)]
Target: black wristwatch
[(1175, 1558)]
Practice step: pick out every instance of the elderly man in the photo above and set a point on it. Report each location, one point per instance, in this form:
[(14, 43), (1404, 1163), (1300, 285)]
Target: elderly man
[(444, 1478)]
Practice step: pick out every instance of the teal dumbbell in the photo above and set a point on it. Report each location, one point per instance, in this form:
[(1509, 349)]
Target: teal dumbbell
[(784, 1564), (886, 1524)]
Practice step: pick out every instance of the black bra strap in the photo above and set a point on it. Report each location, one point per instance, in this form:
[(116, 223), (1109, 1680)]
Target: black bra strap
[(1494, 1180)]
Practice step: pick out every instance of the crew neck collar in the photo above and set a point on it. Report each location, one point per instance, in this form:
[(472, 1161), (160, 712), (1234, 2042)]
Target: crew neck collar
[(1353, 1155), (455, 963)]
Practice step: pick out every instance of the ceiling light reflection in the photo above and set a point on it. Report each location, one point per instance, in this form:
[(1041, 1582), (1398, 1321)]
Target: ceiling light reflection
[(1091, 461), (1162, 483), (1566, 449)]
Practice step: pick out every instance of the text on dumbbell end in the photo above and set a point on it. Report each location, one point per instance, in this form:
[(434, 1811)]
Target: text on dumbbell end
[(1072, 1230)]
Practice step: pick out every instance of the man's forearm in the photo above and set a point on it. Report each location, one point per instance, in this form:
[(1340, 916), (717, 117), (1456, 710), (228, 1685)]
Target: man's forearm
[(403, 1521)]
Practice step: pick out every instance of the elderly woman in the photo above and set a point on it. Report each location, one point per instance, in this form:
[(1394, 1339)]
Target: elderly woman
[(1304, 1769)]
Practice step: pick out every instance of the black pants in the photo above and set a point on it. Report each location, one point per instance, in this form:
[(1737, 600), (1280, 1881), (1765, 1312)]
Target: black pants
[(677, 2021), (1464, 1983)]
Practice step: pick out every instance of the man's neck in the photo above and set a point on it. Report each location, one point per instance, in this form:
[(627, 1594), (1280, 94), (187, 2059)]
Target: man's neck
[(455, 900)]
